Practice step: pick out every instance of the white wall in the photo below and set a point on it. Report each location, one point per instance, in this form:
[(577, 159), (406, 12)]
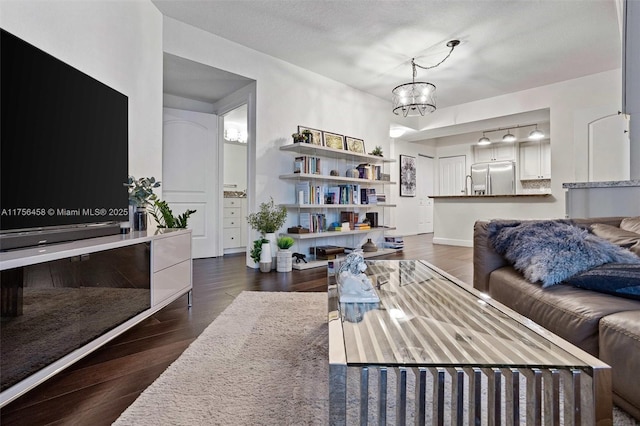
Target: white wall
[(235, 157), (286, 96), (117, 43)]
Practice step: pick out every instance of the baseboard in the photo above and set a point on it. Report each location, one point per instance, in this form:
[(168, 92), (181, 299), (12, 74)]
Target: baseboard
[(452, 242)]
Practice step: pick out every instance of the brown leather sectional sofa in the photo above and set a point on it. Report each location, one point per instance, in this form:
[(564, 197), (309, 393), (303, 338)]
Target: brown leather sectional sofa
[(606, 326)]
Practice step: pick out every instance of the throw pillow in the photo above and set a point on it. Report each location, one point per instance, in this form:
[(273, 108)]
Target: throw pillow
[(553, 250), (631, 224), (612, 278), (618, 236)]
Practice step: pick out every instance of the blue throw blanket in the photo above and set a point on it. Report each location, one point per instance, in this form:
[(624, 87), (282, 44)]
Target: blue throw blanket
[(553, 250)]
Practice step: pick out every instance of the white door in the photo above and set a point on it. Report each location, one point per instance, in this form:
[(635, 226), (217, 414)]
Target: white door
[(452, 173), (425, 189), (189, 174), (609, 148)]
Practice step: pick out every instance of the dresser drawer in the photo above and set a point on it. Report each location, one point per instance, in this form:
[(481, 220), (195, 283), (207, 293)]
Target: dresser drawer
[(232, 202), (171, 250), (171, 281), (231, 238), (231, 222), (232, 212)]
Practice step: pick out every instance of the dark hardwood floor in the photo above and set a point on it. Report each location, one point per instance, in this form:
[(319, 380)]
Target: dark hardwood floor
[(95, 390)]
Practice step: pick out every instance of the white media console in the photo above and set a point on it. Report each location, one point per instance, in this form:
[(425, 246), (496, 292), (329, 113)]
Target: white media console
[(153, 265)]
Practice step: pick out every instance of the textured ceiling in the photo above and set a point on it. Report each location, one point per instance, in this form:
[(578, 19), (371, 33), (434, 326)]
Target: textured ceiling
[(506, 46)]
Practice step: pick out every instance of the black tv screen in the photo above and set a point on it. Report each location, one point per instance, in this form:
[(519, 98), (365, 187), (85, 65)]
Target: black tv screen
[(63, 143)]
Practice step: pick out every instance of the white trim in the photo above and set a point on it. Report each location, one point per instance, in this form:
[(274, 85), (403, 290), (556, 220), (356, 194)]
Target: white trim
[(452, 242)]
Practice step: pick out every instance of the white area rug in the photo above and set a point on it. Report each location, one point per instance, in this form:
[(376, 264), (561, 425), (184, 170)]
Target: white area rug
[(263, 361)]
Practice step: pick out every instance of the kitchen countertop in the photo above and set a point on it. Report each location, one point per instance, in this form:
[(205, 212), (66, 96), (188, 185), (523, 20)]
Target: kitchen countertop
[(490, 196), (235, 194), (608, 184)]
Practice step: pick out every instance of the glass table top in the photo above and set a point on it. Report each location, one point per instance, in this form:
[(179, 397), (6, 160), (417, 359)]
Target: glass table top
[(424, 318)]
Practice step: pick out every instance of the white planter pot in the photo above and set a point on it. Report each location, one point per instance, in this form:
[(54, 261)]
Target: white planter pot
[(273, 244), (284, 261)]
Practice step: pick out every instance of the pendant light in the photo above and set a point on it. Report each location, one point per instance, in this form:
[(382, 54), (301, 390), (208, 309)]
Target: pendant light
[(508, 137), (484, 140), (536, 134)]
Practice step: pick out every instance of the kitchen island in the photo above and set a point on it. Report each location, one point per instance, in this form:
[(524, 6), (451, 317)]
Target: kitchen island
[(454, 215)]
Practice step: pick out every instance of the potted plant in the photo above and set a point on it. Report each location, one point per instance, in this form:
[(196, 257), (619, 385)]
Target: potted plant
[(308, 136), (284, 259), (165, 218), (377, 151), (298, 137), (140, 197), (267, 221)]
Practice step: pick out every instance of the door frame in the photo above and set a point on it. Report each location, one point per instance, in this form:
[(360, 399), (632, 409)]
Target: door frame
[(245, 95)]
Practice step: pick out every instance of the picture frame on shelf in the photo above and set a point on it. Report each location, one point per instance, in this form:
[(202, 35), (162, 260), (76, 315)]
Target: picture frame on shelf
[(333, 140), (355, 145), (316, 135), (407, 176)]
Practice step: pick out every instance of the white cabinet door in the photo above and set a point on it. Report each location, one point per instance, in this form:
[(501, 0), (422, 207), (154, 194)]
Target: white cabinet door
[(482, 154), (545, 159), (529, 161), (504, 152), (452, 172)]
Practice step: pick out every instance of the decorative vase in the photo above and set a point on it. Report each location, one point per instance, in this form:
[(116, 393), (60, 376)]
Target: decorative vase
[(140, 219), (284, 261), (265, 258), (273, 245), (369, 246)]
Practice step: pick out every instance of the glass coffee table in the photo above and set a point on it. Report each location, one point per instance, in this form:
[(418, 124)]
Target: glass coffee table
[(436, 351)]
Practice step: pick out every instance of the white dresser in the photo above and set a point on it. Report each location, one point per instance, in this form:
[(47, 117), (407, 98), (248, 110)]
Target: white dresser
[(234, 224)]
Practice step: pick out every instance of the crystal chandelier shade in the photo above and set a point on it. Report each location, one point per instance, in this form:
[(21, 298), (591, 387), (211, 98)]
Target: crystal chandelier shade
[(415, 98)]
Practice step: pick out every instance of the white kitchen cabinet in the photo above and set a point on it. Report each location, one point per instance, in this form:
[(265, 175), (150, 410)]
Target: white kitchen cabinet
[(496, 152), (535, 160)]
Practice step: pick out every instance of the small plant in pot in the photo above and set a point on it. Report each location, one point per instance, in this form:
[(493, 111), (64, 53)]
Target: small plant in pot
[(141, 196), (162, 213), (267, 220), (256, 250), (284, 261)]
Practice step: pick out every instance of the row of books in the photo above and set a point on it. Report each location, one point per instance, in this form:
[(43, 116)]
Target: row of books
[(314, 222), (307, 164), (370, 171), (337, 194)]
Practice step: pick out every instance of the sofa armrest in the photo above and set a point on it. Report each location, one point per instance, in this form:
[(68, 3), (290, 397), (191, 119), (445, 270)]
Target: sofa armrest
[(485, 259)]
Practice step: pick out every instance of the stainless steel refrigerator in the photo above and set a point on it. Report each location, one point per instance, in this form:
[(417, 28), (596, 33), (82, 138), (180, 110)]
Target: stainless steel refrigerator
[(496, 178)]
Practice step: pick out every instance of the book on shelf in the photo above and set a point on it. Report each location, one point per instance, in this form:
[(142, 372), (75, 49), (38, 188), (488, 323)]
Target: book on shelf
[(368, 196), (361, 226), (303, 189), (380, 199), (349, 217), (394, 242), (307, 164), (314, 222)]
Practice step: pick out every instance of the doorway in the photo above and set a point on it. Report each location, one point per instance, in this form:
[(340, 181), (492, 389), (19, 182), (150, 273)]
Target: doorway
[(425, 189)]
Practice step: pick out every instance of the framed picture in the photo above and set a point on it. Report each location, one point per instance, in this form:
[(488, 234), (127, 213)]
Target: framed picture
[(407, 176), (333, 140), (316, 135), (355, 145)]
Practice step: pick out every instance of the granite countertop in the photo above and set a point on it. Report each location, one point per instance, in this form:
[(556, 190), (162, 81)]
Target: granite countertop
[(489, 196), (608, 184), (235, 194)]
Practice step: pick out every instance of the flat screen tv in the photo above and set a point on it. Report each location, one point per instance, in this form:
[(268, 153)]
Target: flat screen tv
[(63, 149)]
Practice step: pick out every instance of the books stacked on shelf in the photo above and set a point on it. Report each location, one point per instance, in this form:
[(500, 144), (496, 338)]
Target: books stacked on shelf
[(306, 164), (368, 196), (394, 242), (381, 198), (349, 217), (309, 194), (370, 171), (314, 222), (343, 194), (361, 226)]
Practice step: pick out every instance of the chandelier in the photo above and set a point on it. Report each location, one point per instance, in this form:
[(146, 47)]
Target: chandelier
[(417, 97)]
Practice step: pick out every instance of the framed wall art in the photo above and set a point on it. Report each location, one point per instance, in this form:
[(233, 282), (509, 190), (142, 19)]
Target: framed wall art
[(354, 145), (407, 176), (333, 140), (316, 135)]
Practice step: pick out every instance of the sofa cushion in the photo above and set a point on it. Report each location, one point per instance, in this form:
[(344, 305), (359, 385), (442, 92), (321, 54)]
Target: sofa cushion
[(613, 278), (618, 236), (631, 224), (551, 251), (619, 347), (570, 312)]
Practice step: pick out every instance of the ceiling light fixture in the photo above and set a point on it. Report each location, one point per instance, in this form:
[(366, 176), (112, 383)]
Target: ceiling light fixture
[(484, 140), (535, 134), (508, 137), (418, 97)]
